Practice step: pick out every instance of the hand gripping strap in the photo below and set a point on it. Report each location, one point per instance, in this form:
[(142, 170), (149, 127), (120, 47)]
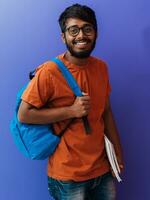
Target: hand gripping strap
[(74, 86)]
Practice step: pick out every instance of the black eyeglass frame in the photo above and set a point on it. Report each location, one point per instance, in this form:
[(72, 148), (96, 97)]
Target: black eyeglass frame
[(83, 30)]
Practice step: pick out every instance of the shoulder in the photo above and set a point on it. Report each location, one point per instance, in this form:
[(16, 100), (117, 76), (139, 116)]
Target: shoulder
[(47, 68)]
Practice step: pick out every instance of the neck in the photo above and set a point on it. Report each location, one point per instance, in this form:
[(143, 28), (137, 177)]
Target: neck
[(75, 60)]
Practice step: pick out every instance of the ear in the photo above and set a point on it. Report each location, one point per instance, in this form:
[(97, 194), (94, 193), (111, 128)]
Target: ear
[(63, 37)]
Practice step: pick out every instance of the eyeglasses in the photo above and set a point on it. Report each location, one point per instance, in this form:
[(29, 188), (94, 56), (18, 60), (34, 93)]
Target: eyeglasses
[(87, 29)]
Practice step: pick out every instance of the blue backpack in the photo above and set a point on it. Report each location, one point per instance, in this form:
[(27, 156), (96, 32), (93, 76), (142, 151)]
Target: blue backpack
[(38, 142)]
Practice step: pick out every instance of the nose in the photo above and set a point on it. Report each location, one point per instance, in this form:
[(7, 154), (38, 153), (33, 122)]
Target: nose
[(80, 34)]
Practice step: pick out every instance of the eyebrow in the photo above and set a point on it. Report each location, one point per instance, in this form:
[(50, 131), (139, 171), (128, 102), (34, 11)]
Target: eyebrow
[(79, 26)]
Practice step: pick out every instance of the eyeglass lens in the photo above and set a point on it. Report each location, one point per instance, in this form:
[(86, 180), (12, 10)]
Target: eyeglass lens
[(87, 30)]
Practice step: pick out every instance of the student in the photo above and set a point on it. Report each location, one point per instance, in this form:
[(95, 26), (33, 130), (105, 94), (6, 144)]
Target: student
[(79, 168)]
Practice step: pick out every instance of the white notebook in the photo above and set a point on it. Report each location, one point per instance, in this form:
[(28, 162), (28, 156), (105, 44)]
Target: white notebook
[(112, 158)]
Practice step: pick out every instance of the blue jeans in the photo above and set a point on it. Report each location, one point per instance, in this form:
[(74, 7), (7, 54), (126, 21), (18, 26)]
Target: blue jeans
[(100, 188)]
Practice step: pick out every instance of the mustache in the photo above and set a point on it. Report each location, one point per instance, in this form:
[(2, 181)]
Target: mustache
[(83, 40)]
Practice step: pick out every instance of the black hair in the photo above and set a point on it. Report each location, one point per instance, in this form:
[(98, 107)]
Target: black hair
[(77, 11)]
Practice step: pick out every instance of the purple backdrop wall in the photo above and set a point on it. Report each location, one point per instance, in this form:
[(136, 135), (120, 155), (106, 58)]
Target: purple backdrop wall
[(29, 35)]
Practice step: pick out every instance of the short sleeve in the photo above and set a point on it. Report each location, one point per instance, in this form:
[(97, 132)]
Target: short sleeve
[(40, 88)]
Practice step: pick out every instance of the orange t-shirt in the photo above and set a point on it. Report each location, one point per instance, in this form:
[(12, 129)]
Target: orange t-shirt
[(78, 156)]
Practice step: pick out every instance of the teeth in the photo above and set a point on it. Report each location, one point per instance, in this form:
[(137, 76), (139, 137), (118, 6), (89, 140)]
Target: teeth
[(81, 42)]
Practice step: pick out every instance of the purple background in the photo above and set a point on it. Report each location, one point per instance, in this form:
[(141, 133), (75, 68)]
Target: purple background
[(30, 35)]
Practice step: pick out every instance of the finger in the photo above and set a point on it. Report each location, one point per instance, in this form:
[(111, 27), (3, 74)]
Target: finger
[(121, 167), (85, 98), (87, 107), (112, 173)]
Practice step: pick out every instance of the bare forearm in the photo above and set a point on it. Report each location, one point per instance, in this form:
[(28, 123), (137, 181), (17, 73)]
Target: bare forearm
[(29, 114), (44, 115), (112, 132)]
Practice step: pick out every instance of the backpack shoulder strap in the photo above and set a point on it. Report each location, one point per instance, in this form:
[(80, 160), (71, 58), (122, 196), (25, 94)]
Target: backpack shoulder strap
[(74, 86), (68, 76)]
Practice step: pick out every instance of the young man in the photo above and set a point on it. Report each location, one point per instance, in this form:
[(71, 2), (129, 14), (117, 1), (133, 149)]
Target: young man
[(79, 168)]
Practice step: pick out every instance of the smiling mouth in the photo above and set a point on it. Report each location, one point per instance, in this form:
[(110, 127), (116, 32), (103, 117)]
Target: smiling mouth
[(81, 43)]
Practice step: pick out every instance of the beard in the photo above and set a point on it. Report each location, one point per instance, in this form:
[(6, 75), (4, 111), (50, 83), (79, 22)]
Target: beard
[(83, 53)]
